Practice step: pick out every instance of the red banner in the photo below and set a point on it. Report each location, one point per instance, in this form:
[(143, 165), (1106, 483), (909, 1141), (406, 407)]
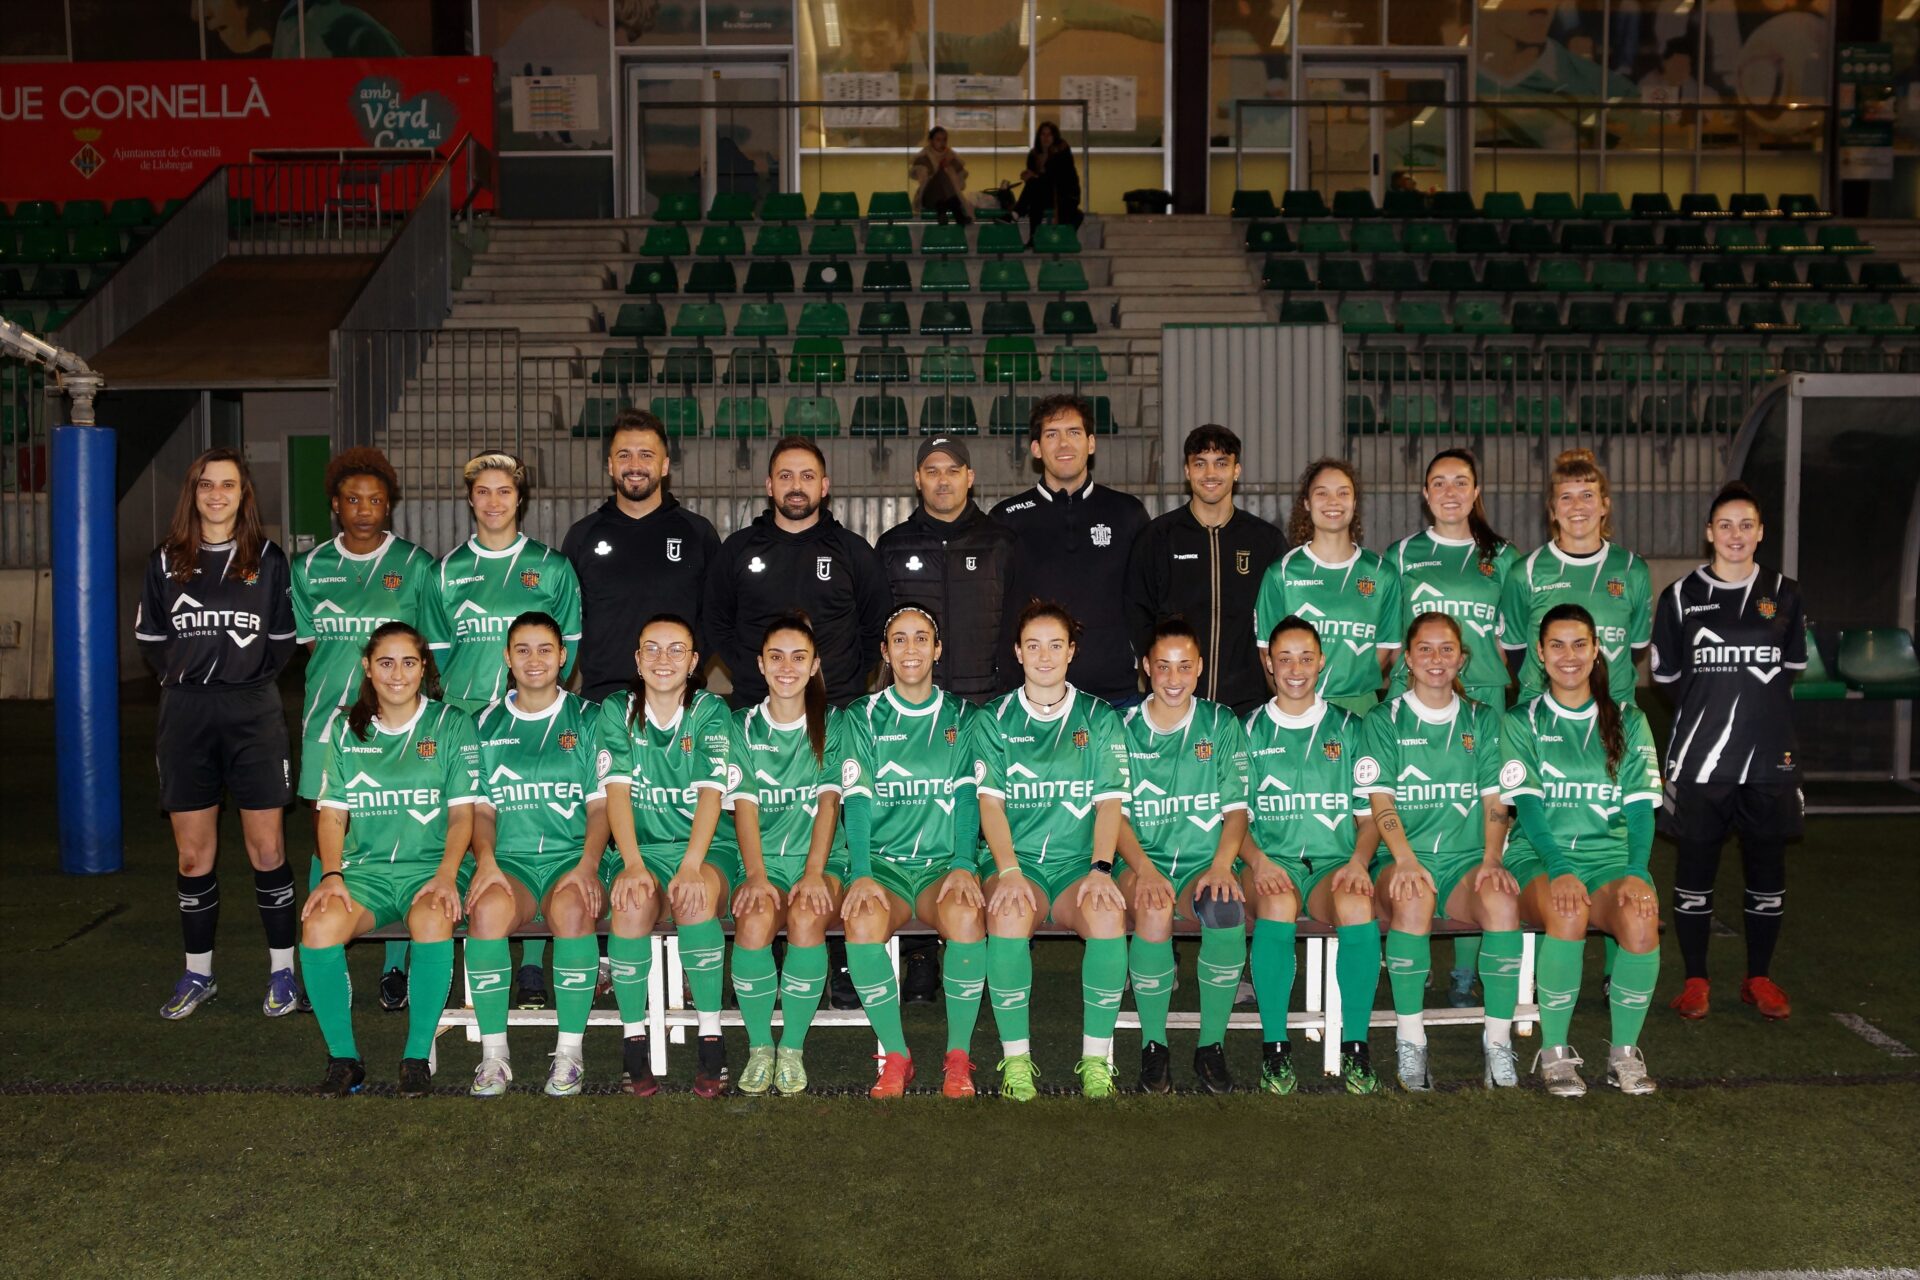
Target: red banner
[(115, 130)]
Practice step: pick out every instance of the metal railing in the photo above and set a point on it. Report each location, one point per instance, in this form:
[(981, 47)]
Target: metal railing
[(349, 201)]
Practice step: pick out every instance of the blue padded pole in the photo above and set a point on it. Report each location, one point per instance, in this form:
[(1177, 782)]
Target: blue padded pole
[(86, 642)]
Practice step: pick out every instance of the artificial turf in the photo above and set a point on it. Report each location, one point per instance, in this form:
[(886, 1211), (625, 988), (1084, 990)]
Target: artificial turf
[(1772, 1145)]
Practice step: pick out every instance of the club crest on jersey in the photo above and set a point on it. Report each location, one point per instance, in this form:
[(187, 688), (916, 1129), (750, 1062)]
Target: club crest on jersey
[(1243, 562), (530, 578), (915, 564), (953, 735), (686, 744), (1486, 568), (1102, 535), (568, 739), (823, 568), (1080, 739), (973, 562), (1365, 586), (1466, 743), (1766, 608), (426, 748), (252, 577), (673, 549), (1203, 751), (1331, 750), (391, 581), (1616, 588)]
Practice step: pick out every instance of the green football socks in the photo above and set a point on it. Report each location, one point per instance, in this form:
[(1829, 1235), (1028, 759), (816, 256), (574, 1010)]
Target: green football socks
[(963, 975), (1500, 971), (533, 952), (1272, 961), (488, 960), (803, 981), (1103, 979), (1223, 954), (1010, 980), (1631, 993), (1357, 970), (1558, 980), (576, 971), (429, 978), (630, 961), (1409, 960), (396, 957), (324, 970), (703, 954), (755, 986), (1150, 969), (872, 975)]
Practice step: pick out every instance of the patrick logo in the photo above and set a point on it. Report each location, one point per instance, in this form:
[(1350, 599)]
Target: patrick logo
[(427, 748), (391, 581), (1080, 739), (530, 579), (569, 739), (1365, 587)]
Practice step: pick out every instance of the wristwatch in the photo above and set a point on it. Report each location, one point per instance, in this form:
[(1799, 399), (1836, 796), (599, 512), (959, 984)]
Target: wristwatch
[(1104, 868)]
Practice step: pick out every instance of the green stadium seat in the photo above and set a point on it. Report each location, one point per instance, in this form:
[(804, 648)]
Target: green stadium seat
[(1355, 202), (654, 278), (948, 415), (828, 277), (1701, 204), (1413, 414), (1422, 318), (999, 238), (1737, 237), (666, 242), (1383, 364), (1055, 239), (888, 238), (1706, 317), (35, 213), (1011, 360), (1480, 317), (882, 364), (1479, 238), (760, 320), (1833, 275), (817, 360), (1650, 317), (1583, 237), (836, 206), (769, 277), (881, 415), (731, 206), (1062, 275), (822, 320), (1567, 364), (131, 213), (1538, 317), (1066, 319), (1789, 237), (886, 275), (1801, 206), (1840, 240), (1723, 412), (1879, 662), (780, 240), (1376, 237), (832, 240), (1303, 204), (1684, 237), (1308, 311), (1453, 204), (1362, 419), (1688, 362), (680, 415), (1322, 237), (1404, 204), (783, 206), (1564, 275), (1506, 361), (1541, 415), (884, 319), (1619, 275), (1668, 412), (1651, 205), (1505, 206), (1554, 204), (1343, 275), (97, 243), (1076, 365), (1590, 315), (811, 416), (712, 278), (1627, 364), (1454, 275), (1268, 237), (1879, 318), (1604, 205), (639, 320), (622, 367), (944, 238), (892, 206), (753, 367), (1009, 415), (1428, 237), (947, 365), (1397, 275), (687, 366), (1632, 238), (1506, 275), (1764, 317), (1004, 275), (1254, 204), (1751, 204), (1720, 273), (1531, 238), (83, 213), (1446, 364), (1004, 317), (945, 275), (1820, 317), (43, 244), (1365, 316), (1604, 413), (598, 414), (941, 319), (742, 417), (678, 206), (1479, 414), (1816, 683)]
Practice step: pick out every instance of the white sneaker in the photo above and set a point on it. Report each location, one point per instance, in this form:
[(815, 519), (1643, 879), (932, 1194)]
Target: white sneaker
[(1627, 1070), (1559, 1069), (564, 1076), (491, 1078), (1414, 1076), (1503, 1065)]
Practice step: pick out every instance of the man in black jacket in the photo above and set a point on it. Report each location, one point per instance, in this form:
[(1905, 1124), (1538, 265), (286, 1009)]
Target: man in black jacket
[(1071, 540), (1204, 561), (797, 556), (950, 556), (640, 554)]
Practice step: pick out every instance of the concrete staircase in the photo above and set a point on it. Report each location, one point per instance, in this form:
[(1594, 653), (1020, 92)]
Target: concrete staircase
[(1181, 270)]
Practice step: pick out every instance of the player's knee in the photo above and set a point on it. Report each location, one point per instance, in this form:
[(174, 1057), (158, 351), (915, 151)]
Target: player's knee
[(1499, 910), (568, 917), (491, 916), (1217, 911), (428, 923), (197, 858), (961, 924)]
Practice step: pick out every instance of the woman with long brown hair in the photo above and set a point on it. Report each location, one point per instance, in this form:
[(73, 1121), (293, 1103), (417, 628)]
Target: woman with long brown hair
[(215, 623), (1052, 182)]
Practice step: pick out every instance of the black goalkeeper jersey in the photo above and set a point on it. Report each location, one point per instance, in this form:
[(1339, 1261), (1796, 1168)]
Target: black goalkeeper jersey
[(212, 629), (1728, 652)]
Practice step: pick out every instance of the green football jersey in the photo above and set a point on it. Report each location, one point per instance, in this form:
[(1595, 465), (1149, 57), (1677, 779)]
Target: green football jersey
[(537, 772), (1437, 766), (666, 766), (903, 756), (339, 600), (1556, 754), (775, 771), (1612, 584), (1355, 606), (398, 786), (478, 595), (1300, 779), (1185, 780), (1445, 575), (1050, 771)]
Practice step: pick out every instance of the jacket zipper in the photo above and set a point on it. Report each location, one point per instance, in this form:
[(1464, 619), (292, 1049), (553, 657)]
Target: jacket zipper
[(1213, 618)]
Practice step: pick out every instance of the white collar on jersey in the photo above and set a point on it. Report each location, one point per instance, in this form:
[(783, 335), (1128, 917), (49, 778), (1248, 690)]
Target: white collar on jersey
[(766, 713), (1595, 558), (1705, 574), (340, 546), (679, 714), (1565, 712), (1440, 540), (553, 708), (1193, 705), (893, 700), (1048, 714), (402, 729), (1427, 715), (1311, 720), (512, 549), (1085, 490), (1306, 549)]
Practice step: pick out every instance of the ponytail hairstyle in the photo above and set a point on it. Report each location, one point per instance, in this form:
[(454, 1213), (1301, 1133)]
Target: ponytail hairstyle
[(1613, 734), (909, 606), (637, 687), (1459, 640), (1484, 536), (1037, 610), (1300, 523), (367, 701), (796, 620), (533, 618), (1294, 622), (180, 551), (1576, 465)]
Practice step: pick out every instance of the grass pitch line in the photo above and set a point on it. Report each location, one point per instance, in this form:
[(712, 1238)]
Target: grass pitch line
[(1874, 1036)]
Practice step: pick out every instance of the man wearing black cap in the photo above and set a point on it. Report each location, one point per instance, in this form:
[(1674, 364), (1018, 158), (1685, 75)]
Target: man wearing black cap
[(951, 557)]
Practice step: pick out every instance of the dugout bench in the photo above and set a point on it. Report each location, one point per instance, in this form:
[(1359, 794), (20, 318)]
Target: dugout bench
[(670, 1019)]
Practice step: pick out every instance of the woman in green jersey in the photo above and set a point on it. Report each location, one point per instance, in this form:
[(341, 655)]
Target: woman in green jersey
[(1579, 566), (1308, 848), (405, 767), (1185, 823), (482, 585), (1428, 767), (913, 837), (1458, 566), (1350, 594), (665, 751), (1050, 809), (789, 771), (1583, 776), (537, 837), (342, 590)]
